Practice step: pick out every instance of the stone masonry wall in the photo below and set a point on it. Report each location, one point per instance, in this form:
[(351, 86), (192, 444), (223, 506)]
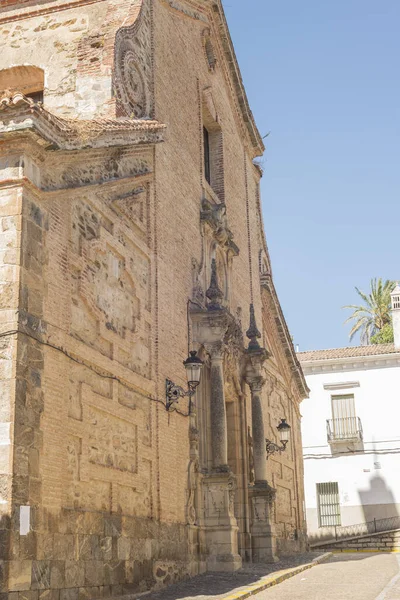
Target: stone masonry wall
[(382, 542)]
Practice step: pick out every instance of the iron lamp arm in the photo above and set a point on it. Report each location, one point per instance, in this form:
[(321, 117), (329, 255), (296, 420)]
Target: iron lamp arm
[(174, 392), (271, 447)]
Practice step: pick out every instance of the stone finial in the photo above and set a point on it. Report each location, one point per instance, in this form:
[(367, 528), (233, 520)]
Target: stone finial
[(253, 333), (214, 292)]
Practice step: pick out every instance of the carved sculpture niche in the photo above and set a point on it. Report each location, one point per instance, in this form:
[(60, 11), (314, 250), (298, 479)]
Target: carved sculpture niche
[(219, 245)]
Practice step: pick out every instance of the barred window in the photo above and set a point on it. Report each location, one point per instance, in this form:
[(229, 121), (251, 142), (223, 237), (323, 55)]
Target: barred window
[(328, 504)]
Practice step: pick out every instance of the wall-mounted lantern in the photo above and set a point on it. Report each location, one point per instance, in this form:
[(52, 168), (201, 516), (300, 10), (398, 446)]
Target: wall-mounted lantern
[(193, 366), (284, 434)]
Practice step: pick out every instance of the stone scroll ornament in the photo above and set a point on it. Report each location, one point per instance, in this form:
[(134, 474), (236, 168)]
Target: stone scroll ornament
[(132, 65), (129, 82)]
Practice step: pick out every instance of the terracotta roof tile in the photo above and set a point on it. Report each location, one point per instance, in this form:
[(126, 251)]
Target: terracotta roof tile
[(348, 352)]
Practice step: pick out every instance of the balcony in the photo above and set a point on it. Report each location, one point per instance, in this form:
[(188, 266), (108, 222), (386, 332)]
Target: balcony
[(347, 429)]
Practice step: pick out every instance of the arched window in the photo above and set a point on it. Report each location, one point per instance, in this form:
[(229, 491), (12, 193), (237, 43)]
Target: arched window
[(27, 80)]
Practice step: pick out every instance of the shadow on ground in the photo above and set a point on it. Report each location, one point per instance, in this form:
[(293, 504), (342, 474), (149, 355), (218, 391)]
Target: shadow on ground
[(218, 585)]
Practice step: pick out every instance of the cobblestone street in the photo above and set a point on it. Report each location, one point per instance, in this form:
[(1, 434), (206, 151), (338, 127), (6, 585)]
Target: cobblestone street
[(358, 576)]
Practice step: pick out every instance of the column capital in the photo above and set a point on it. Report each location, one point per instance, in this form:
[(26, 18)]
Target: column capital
[(255, 384), (215, 350)]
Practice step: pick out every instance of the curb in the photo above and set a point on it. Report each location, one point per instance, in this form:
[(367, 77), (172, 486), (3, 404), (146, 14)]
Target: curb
[(268, 582), (374, 550)]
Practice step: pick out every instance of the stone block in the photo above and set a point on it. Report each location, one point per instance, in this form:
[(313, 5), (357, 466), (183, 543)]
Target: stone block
[(113, 525), (114, 572), (69, 594), (123, 548), (40, 574), (63, 546), (27, 545), (106, 548), (74, 573), (28, 595), (20, 575), (57, 573), (88, 593), (49, 595), (94, 573)]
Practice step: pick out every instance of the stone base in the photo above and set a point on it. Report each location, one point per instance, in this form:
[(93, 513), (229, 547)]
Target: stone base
[(221, 529), (224, 562), (262, 530)]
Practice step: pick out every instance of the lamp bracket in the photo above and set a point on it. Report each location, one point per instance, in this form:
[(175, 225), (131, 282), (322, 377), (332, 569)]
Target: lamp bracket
[(173, 392), (271, 447)]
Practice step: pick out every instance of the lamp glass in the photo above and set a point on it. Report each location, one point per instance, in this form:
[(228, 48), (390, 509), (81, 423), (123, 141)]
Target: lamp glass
[(284, 431), (193, 366)]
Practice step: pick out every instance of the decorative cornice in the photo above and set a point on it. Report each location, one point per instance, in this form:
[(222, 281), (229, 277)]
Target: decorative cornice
[(19, 114), (268, 286)]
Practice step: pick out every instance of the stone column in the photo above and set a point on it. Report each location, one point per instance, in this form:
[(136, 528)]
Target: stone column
[(219, 441), (259, 452), (261, 494)]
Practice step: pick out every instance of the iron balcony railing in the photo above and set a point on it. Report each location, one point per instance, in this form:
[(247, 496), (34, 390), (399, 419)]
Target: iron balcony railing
[(345, 429), (375, 526), (347, 532)]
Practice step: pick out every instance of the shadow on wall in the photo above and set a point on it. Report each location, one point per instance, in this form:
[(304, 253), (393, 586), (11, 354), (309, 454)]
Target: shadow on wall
[(378, 501)]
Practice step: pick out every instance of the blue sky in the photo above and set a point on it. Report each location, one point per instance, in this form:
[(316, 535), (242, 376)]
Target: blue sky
[(323, 78)]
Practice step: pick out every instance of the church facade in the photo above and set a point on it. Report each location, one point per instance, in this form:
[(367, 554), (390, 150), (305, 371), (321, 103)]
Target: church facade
[(131, 234)]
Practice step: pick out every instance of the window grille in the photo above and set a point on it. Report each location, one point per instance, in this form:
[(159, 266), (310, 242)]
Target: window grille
[(328, 504)]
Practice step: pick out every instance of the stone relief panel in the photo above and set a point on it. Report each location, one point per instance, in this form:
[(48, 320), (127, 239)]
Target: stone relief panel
[(82, 383), (111, 290), (133, 66), (112, 442), (133, 208), (109, 454), (137, 402), (64, 173), (283, 502)]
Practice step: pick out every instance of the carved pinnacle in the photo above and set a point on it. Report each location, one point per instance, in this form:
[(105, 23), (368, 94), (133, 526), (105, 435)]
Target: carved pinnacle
[(253, 333), (214, 293)]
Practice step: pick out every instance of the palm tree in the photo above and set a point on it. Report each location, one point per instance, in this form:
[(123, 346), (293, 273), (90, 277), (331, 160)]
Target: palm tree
[(374, 314)]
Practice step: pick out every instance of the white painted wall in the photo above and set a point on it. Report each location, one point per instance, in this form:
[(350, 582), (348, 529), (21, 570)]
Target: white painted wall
[(366, 489)]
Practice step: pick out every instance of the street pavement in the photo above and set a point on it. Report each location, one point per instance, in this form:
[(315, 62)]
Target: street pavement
[(358, 576), (216, 586)]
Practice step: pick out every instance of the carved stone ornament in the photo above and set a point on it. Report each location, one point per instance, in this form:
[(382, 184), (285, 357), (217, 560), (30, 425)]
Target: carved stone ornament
[(214, 292), (129, 81), (215, 216), (133, 65)]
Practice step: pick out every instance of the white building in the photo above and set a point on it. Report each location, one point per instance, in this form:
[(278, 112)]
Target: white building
[(351, 433)]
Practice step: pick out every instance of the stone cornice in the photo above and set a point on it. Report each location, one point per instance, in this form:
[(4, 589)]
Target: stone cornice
[(198, 10), (19, 114), (296, 368), (234, 70)]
